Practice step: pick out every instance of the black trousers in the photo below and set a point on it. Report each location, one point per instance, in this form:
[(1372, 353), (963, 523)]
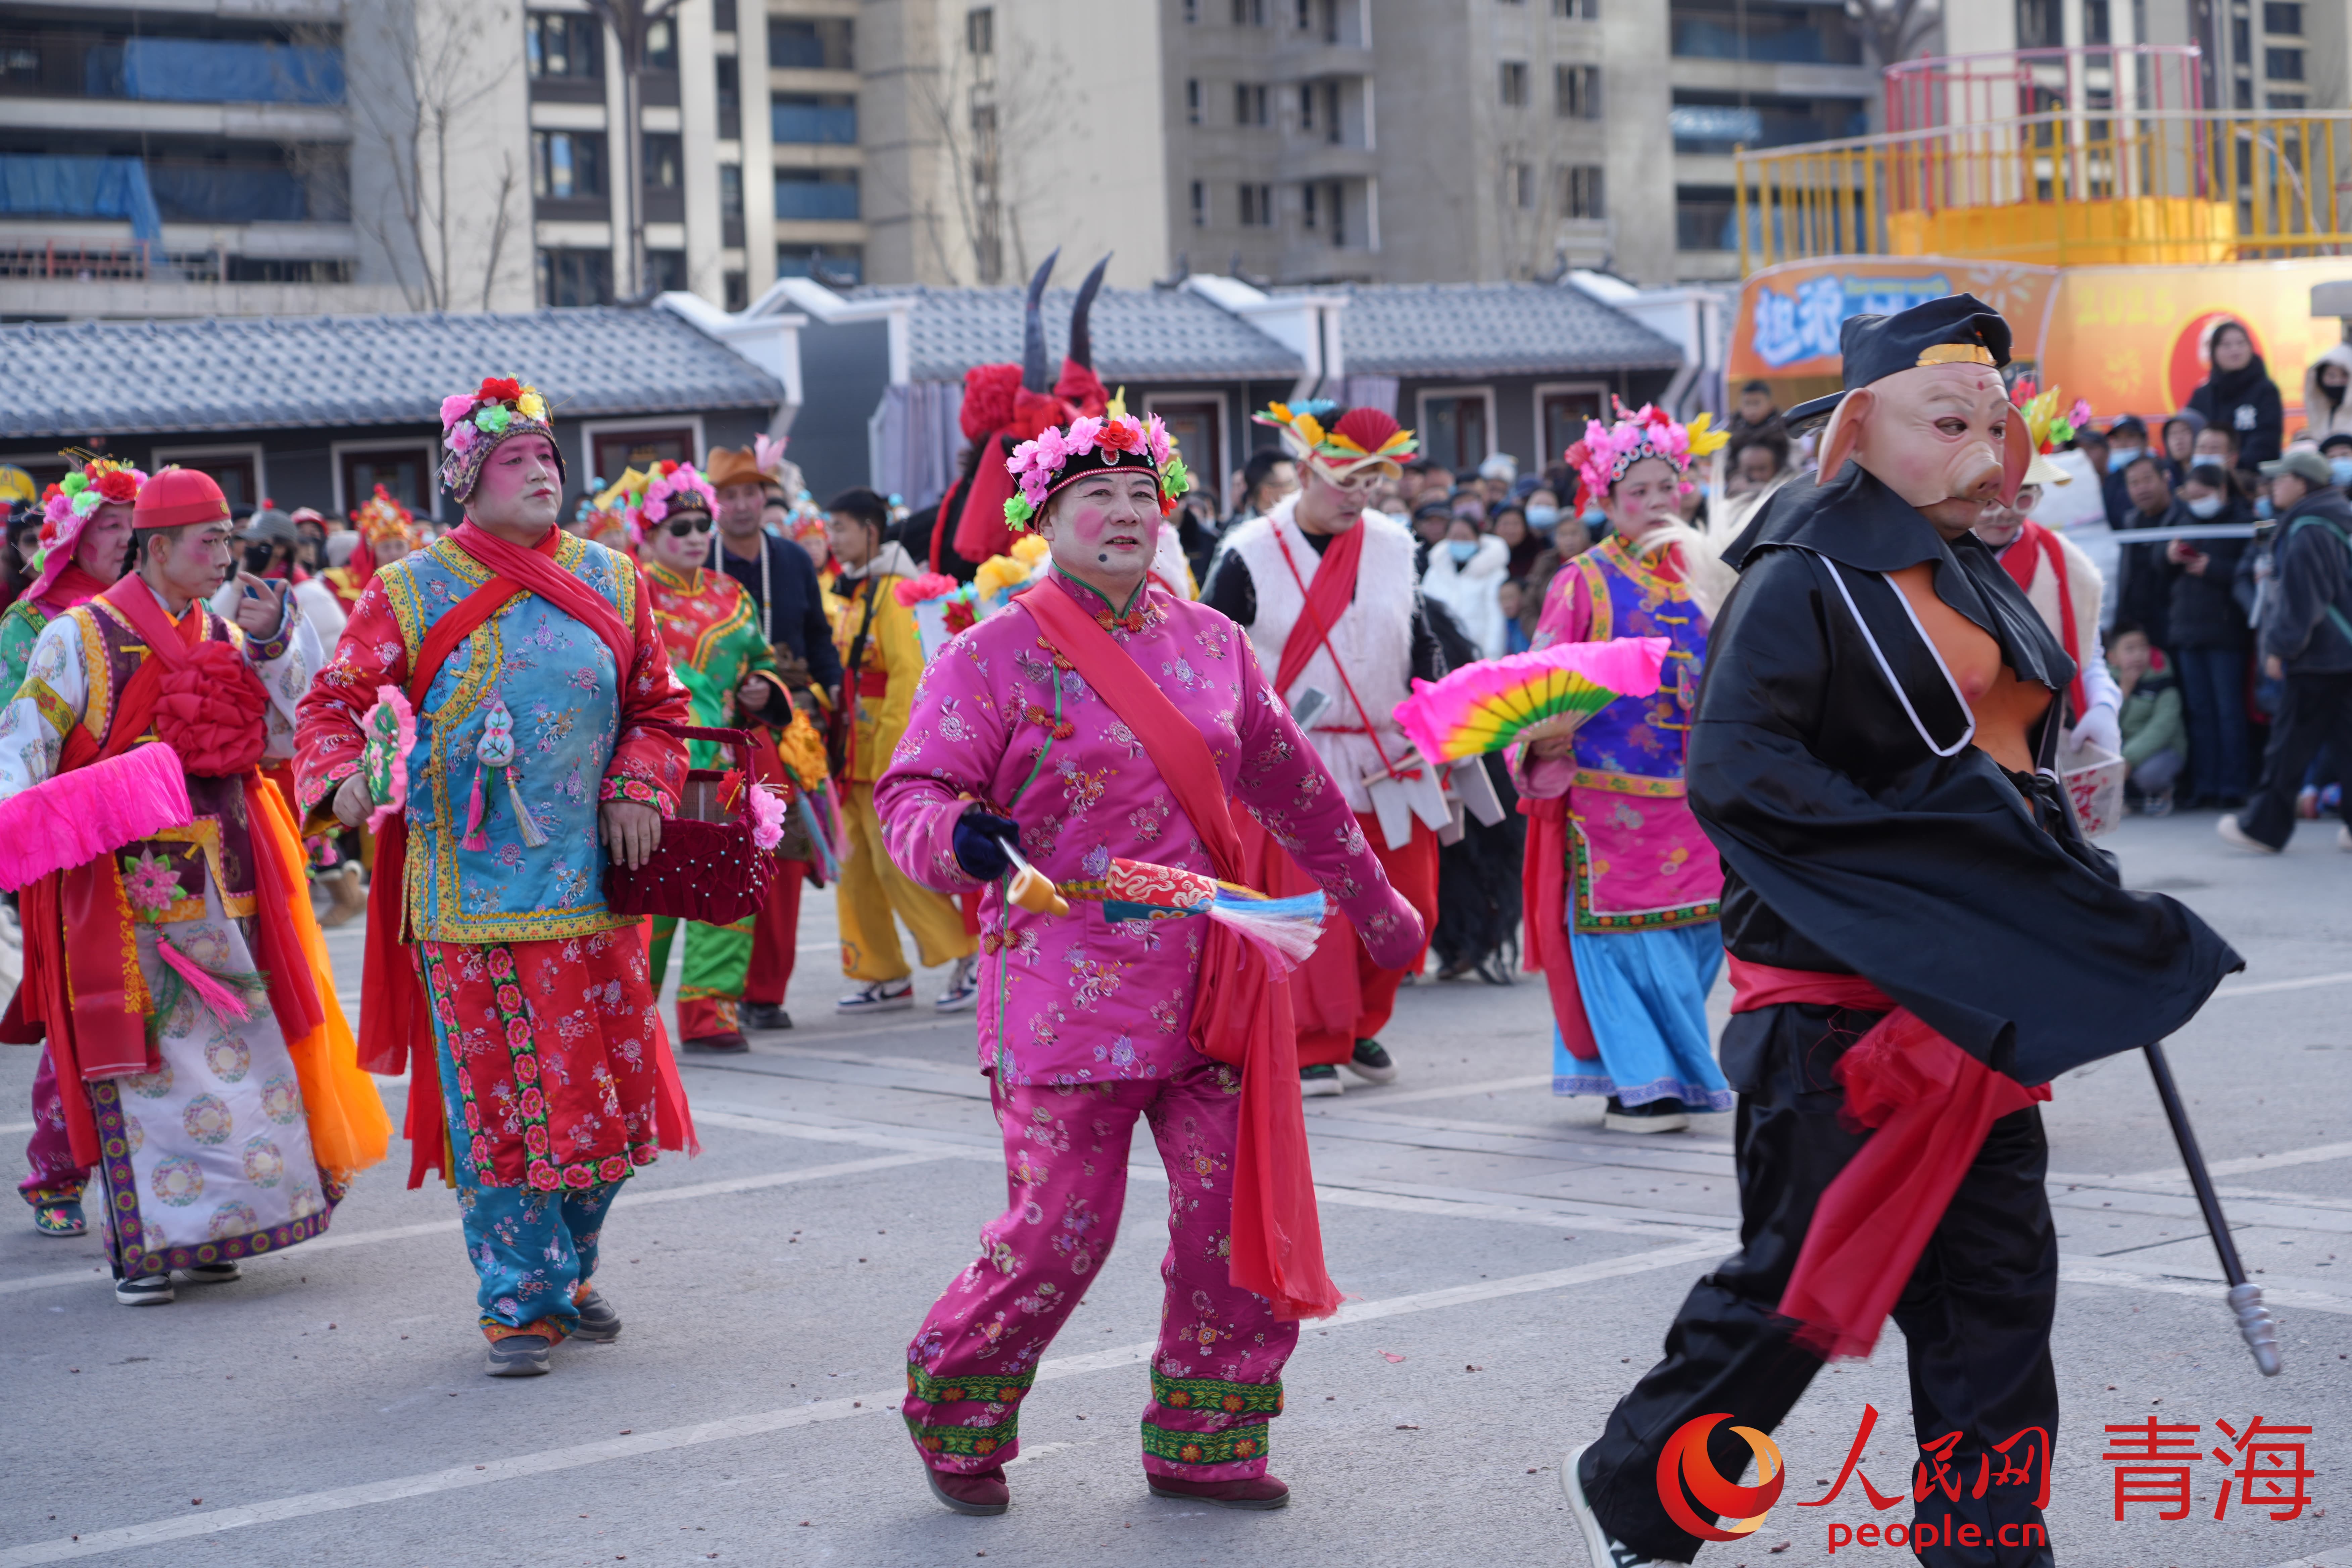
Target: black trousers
[(1974, 1316), (2315, 711)]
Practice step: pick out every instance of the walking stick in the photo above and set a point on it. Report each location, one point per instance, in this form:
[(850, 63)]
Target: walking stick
[(2245, 1297)]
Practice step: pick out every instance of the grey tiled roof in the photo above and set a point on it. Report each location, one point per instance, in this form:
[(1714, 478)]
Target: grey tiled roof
[(1139, 334), (263, 372), (1490, 329)]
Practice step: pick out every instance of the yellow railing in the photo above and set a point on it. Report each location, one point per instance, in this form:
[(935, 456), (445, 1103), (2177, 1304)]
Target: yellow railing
[(2071, 188)]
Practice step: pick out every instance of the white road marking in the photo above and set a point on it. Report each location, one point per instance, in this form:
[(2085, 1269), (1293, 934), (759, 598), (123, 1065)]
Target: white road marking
[(1376, 1098), (2174, 1176), (8, 1127), (760, 1423), (2307, 982), (2212, 1290)]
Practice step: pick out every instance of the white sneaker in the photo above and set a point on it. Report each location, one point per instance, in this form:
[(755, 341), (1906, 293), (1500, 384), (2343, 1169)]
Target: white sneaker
[(2232, 834), (963, 987), (147, 1291), (1604, 1552), (882, 997), (1315, 1082), (2344, 838)]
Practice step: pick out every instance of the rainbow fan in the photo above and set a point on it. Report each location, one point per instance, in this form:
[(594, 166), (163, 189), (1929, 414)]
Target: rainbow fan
[(1498, 703), (1141, 890)]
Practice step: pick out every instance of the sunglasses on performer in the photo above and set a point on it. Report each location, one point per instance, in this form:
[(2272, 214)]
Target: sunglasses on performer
[(700, 522)]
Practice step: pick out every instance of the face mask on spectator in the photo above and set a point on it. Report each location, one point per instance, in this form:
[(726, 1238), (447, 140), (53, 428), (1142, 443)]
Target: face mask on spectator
[(2205, 506), (2340, 470), (2121, 457), (1594, 517), (1543, 518), (1462, 549), (2264, 510)]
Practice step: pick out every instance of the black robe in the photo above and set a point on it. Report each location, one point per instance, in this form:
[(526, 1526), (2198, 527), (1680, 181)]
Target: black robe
[(1966, 893)]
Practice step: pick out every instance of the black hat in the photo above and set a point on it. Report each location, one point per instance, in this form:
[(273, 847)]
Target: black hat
[(1957, 328)]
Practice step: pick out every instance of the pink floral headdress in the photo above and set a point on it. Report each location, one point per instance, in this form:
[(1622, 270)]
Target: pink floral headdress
[(474, 423), (1608, 452), (1090, 444), (69, 504)]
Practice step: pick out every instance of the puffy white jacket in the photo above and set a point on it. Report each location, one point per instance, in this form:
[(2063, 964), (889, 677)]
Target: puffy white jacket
[(1472, 590)]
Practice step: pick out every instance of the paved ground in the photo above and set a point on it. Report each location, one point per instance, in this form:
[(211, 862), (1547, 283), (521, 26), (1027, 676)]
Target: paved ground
[(1511, 1267)]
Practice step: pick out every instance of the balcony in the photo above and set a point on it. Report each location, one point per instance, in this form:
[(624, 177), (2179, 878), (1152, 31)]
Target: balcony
[(1303, 160), (1311, 56), (170, 70), (819, 122), (826, 199)]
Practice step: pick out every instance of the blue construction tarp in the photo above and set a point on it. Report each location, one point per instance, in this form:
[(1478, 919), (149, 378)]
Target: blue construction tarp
[(215, 70), (55, 185)]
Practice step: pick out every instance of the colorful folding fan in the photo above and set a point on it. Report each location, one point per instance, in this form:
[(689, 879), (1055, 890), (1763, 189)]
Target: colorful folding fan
[(1141, 890), (1498, 703)]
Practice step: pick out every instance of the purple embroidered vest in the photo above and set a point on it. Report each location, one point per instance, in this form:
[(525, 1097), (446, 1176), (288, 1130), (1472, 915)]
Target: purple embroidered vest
[(1635, 744)]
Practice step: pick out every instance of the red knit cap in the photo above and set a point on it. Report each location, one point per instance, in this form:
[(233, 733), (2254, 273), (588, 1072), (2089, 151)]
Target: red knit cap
[(177, 497)]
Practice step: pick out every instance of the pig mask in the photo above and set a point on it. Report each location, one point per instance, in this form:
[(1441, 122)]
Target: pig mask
[(1945, 438)]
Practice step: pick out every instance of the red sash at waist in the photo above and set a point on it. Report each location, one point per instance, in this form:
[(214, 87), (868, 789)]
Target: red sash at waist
[(1931, 1104)]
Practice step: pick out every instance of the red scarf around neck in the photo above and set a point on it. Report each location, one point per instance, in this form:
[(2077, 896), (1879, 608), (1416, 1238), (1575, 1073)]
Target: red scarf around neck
[(2034, 545)]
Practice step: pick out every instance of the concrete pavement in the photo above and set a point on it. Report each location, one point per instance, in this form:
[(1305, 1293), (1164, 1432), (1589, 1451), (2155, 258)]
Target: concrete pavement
[(1511, 1267)]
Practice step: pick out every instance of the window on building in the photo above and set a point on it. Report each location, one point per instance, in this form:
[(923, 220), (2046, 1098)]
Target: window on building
[(730, 204), (1192, 101), (616, 451), (1258, 206), (1453, 431), (2241, 38), (801, 43), (737, 289), (726, 72), (661, 46), (722, 16), (665, 167), (2040, 24), (1200, 205), (979, 30), (2283, 65), (2278, 17), (1249, 13), (1576, 91), (1566, 411), (1307, 204), (1581, 191), (567, 165), (1520, 183), (2098, 24), (1191, 13), (1577, 10), (401, 470), (556, 45), (816, 195), (1250, 104), (665, 271), (1710, 122), (575, 278), (1514, 84), (1706, 218), (835, 266), (810, 118), (1306, 106), (1774, 32), (2284, 100), (2243, 95)]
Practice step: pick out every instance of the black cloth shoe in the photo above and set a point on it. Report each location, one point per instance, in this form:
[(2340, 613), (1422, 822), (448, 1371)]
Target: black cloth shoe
[(597, 1323), (1320, 1080), (731, 1044), (1371, 1063), (519, 1355), (758, 1016)]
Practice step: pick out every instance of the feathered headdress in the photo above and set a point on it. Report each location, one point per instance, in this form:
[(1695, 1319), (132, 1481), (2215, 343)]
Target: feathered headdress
[(381, 517), (1608, 452), (1356, 440)]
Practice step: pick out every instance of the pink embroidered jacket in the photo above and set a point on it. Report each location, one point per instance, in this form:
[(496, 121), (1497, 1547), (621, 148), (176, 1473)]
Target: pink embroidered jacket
[(1076, 998)]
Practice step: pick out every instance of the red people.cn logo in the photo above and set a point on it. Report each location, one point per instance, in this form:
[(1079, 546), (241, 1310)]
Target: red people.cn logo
[(1684, 1463)]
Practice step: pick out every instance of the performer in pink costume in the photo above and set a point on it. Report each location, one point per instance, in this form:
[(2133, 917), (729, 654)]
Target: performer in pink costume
[(1027, 724)]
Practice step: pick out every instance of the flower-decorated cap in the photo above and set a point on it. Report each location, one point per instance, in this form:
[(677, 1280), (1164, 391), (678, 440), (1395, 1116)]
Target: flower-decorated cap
[(2051, 429), (1608, 452), (179, 497), (381, 517), (1356, 438), (1062, 455), (648, 496), (474, 423), (67, 506)]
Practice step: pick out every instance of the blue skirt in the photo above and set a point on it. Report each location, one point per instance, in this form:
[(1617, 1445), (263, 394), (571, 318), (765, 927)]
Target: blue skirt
[(1646, 998)]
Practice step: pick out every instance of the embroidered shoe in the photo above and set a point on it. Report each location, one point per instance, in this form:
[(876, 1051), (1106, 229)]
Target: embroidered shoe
[(977, 1492), (1658, 1116), (208, 1273), (597, 1323), (882, 997), (60, 1219), (1315, 1082), (519, 1355), (1373, 1063), (963, 987), (147, 1291), (1605, 1551), (1249, 1491), (760, 1015)]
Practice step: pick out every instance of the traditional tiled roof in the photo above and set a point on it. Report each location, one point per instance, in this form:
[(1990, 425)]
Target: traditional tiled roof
[(1139, 334), (264, 372), (1490, 329)]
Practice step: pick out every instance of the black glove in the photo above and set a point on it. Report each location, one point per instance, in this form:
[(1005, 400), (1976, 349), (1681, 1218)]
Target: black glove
[(979, 840)]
